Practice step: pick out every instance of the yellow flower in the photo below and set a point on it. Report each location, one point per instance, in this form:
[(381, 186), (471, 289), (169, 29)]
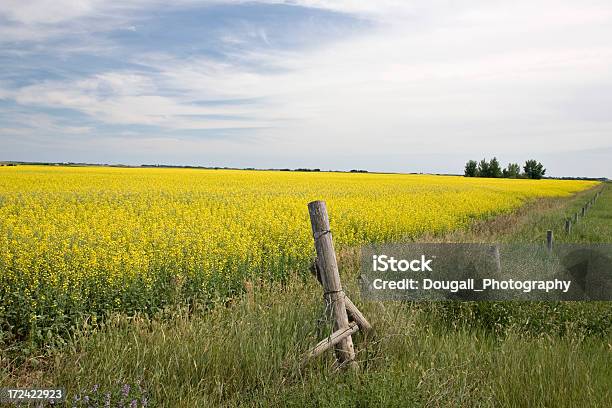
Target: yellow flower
[(100, 238)]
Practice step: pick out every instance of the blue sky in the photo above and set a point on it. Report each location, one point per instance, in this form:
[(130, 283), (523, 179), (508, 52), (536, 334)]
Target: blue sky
[(409, 86)]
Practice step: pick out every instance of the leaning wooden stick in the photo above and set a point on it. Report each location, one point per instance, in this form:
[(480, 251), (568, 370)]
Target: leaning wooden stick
[(356, 315), (335, 338)]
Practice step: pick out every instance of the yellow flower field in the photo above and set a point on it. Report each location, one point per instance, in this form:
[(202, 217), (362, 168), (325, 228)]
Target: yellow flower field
[(79, 242)]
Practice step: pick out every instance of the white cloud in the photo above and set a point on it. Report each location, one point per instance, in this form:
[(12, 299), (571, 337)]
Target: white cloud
[(428, 77), (454, 85), (134, 99), (46, 11)]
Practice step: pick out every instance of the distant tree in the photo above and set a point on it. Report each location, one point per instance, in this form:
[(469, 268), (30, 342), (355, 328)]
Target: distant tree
[(494, 168), (471, 169), (534, 169), (483, 169), (512, 171)]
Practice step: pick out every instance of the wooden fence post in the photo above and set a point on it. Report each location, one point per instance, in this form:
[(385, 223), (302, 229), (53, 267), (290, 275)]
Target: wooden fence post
[(496, 257), (568, 226), (575, 218), (354, 313), (583, 211), (549, 240), (330, 279)]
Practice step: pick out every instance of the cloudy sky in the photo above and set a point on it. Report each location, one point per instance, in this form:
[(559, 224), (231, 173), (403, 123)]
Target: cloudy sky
[(391, 85)]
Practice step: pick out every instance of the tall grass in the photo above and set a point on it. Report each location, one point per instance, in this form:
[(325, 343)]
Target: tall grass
[(250, 355), (248, 352)]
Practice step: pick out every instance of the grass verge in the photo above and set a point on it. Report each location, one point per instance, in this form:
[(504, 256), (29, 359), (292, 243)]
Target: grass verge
[(249, 352)]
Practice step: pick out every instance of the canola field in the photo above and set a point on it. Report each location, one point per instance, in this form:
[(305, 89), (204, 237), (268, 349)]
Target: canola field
[(78, 243)]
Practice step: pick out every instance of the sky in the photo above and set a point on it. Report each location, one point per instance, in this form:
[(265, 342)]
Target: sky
[(389, 85)]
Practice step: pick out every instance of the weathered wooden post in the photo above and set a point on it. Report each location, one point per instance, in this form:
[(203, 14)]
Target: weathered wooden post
[(354, 313), (575, 218), (583, 211), (330, 279), (494, 250), (549, 240), (568, 226)]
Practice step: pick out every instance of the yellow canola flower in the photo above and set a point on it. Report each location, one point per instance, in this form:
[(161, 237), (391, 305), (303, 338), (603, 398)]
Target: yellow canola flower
[(102, 239)]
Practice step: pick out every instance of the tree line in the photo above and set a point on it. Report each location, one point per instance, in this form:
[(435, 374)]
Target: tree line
[(531, 170)]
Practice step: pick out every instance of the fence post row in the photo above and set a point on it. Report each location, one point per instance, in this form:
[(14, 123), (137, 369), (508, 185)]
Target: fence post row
[(549, 240), (326, 271), (573, 219)]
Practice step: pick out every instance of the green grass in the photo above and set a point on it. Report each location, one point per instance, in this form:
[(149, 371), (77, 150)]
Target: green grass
[(244, 355), (249, 353), (594, 227)]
